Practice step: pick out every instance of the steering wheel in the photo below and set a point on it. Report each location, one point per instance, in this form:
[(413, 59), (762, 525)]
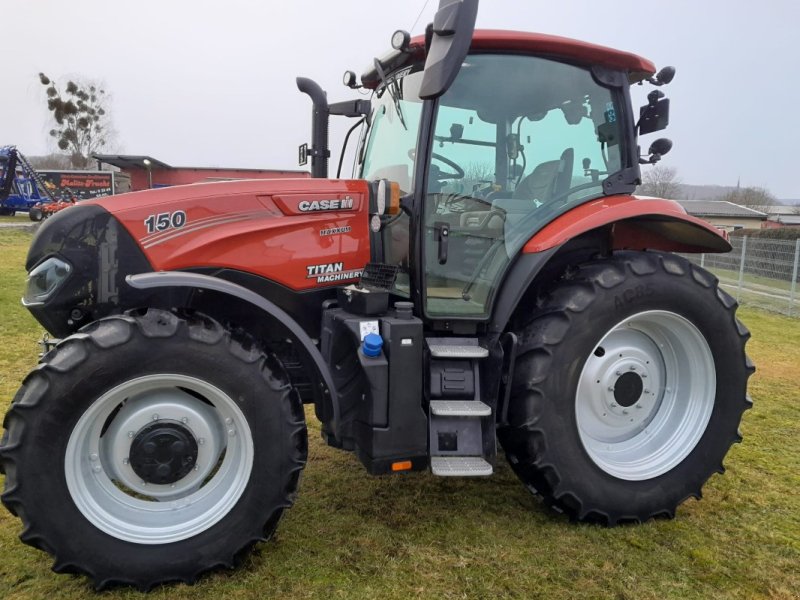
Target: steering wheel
[(458, 174)]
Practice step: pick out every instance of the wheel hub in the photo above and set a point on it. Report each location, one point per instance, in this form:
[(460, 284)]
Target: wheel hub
[(628, 389), (163, 453)]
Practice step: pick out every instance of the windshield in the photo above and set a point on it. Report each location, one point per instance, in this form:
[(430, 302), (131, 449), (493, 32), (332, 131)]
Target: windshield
[(393, 131), (389, 152)]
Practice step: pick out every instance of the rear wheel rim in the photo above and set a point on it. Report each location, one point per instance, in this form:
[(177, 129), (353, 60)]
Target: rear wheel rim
[(115, 499), (645, 395)]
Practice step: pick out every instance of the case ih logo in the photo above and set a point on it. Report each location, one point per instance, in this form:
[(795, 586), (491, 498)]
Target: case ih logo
[(345, 203), (331, 272)]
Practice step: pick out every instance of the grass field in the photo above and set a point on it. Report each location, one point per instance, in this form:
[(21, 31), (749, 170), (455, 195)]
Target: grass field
[(415, 536)]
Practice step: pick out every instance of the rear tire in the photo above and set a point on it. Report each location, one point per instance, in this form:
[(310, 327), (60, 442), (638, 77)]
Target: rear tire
[(166, 448), (629, 387), (35, 214)]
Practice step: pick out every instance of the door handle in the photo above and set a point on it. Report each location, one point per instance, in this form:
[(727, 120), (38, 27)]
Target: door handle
[(442, 238)]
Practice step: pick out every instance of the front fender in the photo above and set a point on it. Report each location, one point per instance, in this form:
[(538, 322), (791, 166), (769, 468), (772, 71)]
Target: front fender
[(173, 279), (636, 224)]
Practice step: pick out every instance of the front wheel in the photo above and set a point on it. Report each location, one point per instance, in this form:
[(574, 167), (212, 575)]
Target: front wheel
[(629, 387), (166, 447)]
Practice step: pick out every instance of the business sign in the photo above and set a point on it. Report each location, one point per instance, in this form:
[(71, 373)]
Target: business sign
[(84, 186)]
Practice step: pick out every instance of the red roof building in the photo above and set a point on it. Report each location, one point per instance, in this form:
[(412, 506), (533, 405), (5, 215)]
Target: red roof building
[(148, 172)]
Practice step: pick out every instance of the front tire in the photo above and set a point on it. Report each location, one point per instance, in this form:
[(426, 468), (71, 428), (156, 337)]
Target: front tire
[(629, 387), (166, 447)]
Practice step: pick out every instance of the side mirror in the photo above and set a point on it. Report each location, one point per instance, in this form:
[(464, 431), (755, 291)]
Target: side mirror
[(655, 115), (451, 36), (657, 149), (664, 76)]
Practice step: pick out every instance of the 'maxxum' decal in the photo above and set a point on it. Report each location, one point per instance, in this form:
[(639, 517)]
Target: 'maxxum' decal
[(331, 272), (335, 230), (345, 203)]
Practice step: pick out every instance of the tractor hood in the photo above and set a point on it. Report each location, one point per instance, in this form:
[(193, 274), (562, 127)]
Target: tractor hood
[(300, 233)]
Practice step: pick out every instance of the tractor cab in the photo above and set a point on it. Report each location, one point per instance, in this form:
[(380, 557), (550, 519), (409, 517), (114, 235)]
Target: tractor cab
[(514, 142)]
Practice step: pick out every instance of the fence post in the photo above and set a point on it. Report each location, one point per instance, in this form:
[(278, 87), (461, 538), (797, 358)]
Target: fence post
[(794, 275), (741, 268), (703, 260)]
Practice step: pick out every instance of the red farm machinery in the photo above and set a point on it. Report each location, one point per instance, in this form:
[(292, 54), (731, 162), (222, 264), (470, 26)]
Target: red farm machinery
[(489, 281)]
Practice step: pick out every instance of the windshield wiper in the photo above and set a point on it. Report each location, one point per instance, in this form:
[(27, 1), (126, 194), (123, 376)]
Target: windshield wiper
[(394, 91)]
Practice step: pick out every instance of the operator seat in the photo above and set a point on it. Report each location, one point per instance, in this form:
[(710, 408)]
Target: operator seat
[(549, 179)]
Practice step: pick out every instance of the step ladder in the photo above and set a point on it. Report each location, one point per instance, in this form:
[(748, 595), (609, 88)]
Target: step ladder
[(460, 425)]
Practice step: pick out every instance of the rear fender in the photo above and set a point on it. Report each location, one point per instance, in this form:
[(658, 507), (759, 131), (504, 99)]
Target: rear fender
[(635, 224), (171, 280), (610, 223)]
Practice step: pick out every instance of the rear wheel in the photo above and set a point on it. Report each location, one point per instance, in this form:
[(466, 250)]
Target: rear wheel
[(35, 214), (166, 448), (629, 387)]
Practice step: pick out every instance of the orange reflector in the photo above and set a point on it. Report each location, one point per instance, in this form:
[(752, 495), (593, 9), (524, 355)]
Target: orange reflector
[(404, 465), (393, 207)]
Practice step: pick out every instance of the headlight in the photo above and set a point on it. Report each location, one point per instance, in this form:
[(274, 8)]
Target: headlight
[(44, 279)]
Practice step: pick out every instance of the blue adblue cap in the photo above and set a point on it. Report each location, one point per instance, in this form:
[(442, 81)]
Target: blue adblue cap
[(372, 344)]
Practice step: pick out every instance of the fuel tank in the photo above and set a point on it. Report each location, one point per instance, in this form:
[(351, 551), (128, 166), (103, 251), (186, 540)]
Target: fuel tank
[(301, 233)]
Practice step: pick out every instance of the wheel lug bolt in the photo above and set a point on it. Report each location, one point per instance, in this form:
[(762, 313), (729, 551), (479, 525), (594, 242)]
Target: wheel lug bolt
[(647, 391), (125, 461), (638, 406), (228, 421), (624, 411), (618, 373), (644, 375), (184, 420), (155, 417), (231, 432), (613, 405), (201, 441), (197, 467), (131, 434), (96, 468), (632, 368), (610, 389), (93, 456)]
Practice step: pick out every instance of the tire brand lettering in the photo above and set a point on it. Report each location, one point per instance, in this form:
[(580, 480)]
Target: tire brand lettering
[(335, 230), (631, 294), (330, 272), (345, 203)]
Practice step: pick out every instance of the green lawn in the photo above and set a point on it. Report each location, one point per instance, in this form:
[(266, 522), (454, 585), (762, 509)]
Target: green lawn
[(415, 536)]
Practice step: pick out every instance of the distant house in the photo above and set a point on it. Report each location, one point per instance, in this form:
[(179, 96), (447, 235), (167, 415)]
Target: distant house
[(725, 215), (782, 216)]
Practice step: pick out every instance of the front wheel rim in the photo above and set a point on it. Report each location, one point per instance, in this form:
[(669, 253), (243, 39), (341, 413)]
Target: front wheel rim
[(645, 395), (110, 494)]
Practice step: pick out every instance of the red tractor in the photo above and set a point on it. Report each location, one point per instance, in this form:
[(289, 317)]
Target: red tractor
[(489, 277)]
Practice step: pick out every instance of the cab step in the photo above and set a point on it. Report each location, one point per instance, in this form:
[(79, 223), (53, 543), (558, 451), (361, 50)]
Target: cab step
[(456, 348), (459, 408), (460, 466)]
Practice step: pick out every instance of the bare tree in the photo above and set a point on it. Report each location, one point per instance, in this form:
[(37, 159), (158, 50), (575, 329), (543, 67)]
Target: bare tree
[(83, 125), (662, 182), (752, 197)]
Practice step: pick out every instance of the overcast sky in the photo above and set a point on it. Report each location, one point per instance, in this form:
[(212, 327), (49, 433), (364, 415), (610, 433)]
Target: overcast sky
[(210, 83)]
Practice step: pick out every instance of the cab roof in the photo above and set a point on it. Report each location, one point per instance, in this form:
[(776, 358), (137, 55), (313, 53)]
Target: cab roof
[(541, 44)]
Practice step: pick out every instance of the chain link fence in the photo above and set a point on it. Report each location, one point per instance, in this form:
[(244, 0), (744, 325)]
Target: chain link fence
[(758, 272)]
